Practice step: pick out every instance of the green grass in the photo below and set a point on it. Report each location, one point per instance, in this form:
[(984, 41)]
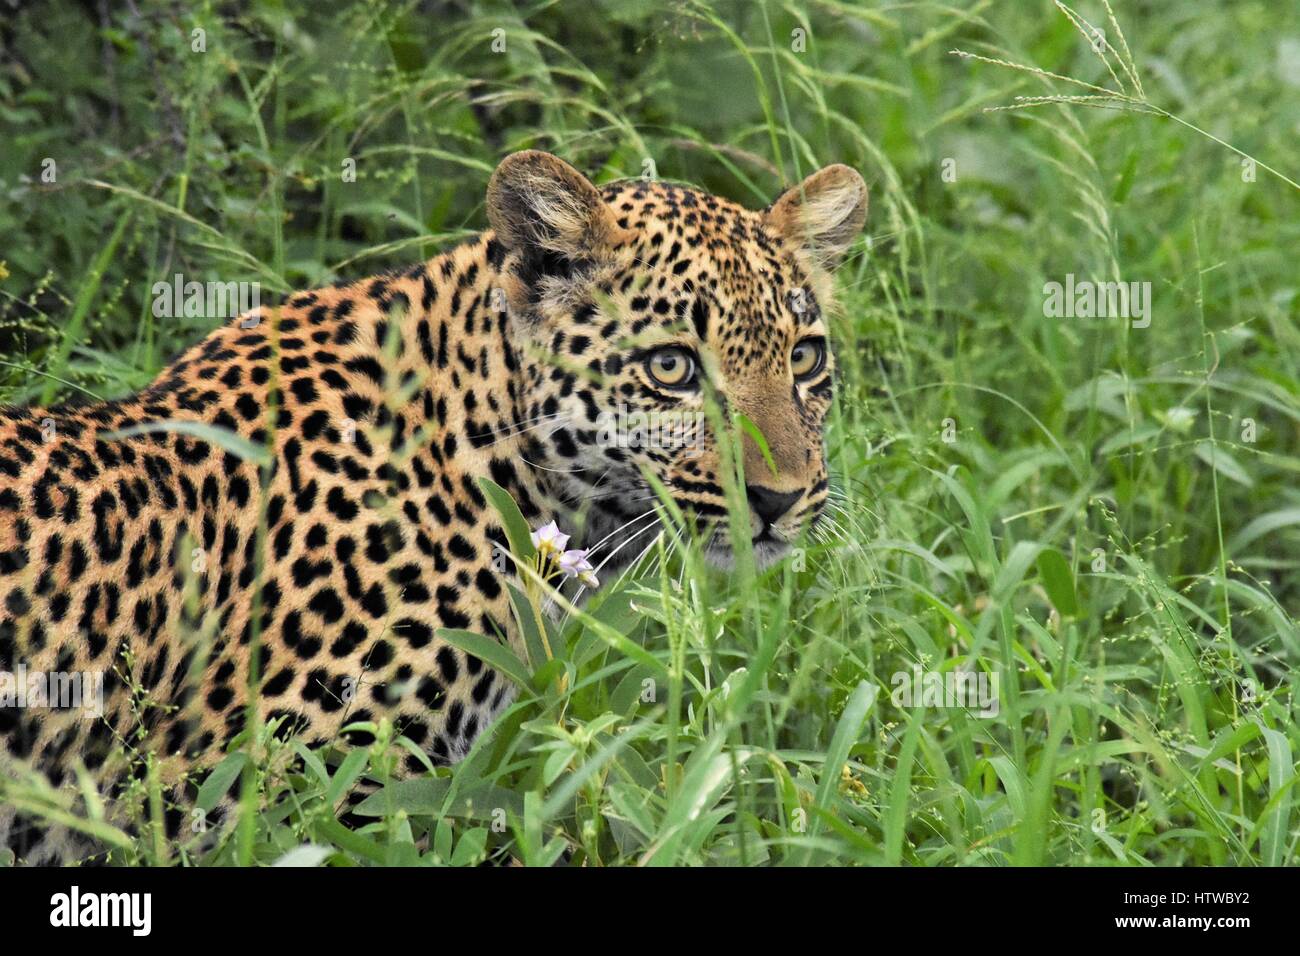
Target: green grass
[(1104, 517)]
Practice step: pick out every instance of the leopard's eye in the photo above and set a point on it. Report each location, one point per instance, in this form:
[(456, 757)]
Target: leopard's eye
[(808, 357), (672, 367)]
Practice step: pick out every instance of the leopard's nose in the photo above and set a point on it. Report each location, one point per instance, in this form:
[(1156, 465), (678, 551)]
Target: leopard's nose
[(770, 505)]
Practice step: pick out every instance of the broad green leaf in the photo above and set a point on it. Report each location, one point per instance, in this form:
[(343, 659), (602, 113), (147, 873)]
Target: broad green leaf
[(219, 780), (526, 617), (349, 770), (496, 655), (847, 729), (428, 796), (471, 847), (1058, 581), (516, 527), (357, 844)]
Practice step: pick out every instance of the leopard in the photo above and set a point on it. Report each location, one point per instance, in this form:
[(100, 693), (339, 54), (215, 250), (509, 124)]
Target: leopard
[(293, 512)]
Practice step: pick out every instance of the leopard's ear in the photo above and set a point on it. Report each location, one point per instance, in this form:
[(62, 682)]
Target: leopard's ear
[(822, 215), (539, 204)]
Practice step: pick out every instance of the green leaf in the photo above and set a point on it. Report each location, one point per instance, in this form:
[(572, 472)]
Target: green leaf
[(1126, 176), (495, 655), (517, 531), (1217, 457), (557, 763), (752, 430), (1281, 771), (527, 619), (1058, 582), (312, 762), (709, 774), (355, 843), (559, 798), (471, 847), (219, 781), (847, 729), (442, 835), (428, 797), (347, 775), (1264, 524), (418, 796), (548, 673)]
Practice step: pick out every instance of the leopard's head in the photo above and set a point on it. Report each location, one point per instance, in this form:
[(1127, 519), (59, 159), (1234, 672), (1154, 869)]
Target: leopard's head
[(631, 303)]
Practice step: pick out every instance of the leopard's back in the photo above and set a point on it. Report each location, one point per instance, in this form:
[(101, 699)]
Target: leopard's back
[(159, 553)]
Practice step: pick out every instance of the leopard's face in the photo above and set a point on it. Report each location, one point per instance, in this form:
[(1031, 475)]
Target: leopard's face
[(648, 314)]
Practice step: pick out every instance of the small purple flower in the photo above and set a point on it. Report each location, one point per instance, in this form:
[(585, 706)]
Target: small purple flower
[(549, 539), (574, 564)]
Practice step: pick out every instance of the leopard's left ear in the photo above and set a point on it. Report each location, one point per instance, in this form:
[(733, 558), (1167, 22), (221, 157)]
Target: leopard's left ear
[(823, 214), (540, 205)]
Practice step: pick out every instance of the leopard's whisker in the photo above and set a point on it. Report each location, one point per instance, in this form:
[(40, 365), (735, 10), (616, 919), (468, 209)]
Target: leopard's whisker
[(841, 511), (640, 557), (627, 524), (842, 500), (835, 529), (609, 557), (558, 471)]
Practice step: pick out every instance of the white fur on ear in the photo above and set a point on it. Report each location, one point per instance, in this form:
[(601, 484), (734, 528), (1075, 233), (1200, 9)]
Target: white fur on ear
[(823, 214), (537, 202)]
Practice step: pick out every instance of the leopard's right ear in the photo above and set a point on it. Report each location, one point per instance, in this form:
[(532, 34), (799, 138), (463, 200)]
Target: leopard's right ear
[(539, 205), (823, 215)]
